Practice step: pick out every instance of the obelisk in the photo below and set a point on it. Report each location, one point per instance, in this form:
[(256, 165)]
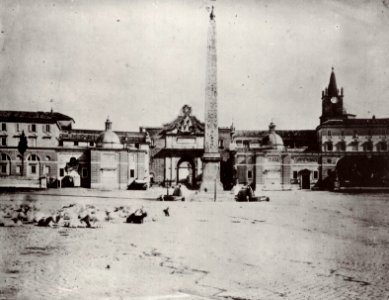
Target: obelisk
[(211, 159)]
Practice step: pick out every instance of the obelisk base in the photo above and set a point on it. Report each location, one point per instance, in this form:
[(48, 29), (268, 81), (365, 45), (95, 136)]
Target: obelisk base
[(211, 188)]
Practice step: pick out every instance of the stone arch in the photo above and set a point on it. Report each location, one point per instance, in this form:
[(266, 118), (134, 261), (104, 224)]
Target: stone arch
[(186, 168), (363, 170)]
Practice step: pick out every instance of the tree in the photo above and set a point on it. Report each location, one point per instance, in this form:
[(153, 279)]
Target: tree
[(22, 147)]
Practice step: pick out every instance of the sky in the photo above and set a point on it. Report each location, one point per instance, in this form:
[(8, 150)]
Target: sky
[(139, 62)]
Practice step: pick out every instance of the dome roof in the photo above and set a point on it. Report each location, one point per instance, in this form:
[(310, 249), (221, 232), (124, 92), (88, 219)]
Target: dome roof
[(273, 140), (108, 138)]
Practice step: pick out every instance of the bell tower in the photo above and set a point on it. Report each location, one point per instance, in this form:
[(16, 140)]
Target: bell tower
[(332, 101)]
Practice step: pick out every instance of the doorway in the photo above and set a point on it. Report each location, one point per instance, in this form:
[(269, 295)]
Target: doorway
[(305, 179)]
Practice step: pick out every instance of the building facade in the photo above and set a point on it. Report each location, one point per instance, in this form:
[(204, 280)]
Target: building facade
[(60, 156), (343, 151)]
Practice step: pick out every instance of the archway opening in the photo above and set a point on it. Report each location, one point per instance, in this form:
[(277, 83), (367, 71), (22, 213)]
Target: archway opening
[(362, 171), (186, 173)]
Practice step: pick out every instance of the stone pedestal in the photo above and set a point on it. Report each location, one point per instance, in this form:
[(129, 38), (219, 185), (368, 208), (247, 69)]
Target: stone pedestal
[(211, 174)]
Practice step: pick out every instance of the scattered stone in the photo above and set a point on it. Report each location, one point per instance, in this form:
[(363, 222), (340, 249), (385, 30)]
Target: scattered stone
[(137, 216)]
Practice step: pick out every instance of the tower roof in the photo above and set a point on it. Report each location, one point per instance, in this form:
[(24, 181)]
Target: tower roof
[(332, 86)]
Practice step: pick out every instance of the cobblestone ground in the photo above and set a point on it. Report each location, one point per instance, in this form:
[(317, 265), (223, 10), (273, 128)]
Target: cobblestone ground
[(300, 245)]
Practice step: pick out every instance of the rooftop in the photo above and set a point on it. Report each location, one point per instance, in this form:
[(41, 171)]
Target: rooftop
[(33, 116)]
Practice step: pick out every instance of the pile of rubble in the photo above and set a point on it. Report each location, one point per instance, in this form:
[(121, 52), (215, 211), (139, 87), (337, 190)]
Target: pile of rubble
[(71, 216)]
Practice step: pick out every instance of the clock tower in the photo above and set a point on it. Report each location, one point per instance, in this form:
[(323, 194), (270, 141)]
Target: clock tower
[(332, 101)]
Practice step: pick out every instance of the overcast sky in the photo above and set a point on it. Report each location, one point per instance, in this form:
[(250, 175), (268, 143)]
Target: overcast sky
[(140, 61)]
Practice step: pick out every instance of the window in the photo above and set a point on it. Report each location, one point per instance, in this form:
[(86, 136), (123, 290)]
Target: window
[(355, 134), (246, 144), (315, 174), (249, 174), (4, 141), (84, 172), (221, 143), (341, 146), (61, 172), (33, 169), (368, 146), (60, 143), (384, 146), (132, 173), (91, 144), (18, 169), (48, 128), (4, 126), (48, 158), (137, 145), (4, 164), (32, 142), (329, 147), (33, 127), (354, 146), (46, 170), (294, 174), (329, 133), (75, 143), (329, 160), (17, 127)]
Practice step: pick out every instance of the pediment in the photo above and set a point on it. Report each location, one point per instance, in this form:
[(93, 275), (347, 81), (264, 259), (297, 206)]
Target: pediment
[(184, 124)]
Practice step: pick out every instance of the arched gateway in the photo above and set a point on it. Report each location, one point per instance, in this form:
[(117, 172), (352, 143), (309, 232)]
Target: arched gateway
[(363, 170), (186, 172), (178, 149)]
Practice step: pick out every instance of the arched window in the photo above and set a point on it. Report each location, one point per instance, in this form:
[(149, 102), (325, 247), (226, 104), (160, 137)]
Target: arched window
[(47, 158), (5, 164)]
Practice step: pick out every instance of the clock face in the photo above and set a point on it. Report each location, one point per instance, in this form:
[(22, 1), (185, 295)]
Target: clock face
[(334, 100)]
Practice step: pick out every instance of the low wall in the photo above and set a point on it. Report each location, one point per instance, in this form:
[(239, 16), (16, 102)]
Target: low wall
[(22, 182)]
